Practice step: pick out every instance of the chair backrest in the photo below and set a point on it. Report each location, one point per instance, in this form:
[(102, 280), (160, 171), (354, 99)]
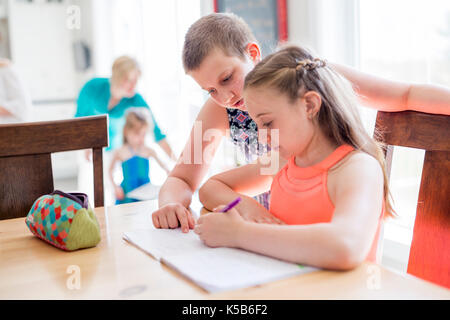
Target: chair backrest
[(429, 256), (25, 158)]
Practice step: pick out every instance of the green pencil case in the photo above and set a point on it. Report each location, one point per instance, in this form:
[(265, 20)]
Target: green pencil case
[(64, 220)]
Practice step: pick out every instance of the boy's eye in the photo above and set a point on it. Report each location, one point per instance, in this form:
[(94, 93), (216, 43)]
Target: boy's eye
[(267, 124), (227, 78), (211, 91)]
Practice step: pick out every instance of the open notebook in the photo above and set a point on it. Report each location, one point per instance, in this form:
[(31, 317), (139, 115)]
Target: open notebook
[(214, 269)]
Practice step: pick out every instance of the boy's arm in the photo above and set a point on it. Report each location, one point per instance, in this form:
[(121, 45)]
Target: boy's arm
[(195, 159), (175, 195), (387, 95)]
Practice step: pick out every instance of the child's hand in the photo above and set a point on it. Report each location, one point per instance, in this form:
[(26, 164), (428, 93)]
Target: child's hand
[(260, 217), (219, 229), (118, 191), (173, 215)]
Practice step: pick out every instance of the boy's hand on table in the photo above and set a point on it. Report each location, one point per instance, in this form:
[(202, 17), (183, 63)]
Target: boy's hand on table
[(172, 216)]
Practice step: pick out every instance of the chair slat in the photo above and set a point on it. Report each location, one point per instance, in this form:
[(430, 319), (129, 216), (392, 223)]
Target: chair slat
[(414, 130), (25, 158), (429, 253), (53, 136)]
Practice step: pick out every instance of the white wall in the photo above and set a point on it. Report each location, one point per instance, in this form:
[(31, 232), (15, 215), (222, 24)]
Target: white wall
[(328, 28), (41, 49), (41, 41)]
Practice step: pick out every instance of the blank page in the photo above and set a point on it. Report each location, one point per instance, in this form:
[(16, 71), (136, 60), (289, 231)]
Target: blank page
[(214, 269)]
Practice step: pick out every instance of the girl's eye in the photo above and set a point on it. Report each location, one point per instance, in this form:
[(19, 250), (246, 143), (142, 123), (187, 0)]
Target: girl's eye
[(267, 124), (227, 78), (211, 91)]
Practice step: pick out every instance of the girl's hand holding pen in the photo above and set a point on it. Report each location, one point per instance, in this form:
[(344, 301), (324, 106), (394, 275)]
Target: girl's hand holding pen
[(219, 229)]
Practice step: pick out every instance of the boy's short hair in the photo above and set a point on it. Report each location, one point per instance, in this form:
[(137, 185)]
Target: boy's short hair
[(226, 31)]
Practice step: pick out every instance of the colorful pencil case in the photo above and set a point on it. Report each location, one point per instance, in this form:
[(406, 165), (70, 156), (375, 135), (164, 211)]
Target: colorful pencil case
[(65, 220)]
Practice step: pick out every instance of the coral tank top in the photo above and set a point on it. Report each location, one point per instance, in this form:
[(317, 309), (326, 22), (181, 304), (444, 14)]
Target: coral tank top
[(299, 196)]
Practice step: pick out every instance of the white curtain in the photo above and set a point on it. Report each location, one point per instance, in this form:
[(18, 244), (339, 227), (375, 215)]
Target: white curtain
[(152, 32)]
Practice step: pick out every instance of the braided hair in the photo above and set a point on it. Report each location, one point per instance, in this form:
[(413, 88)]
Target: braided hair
[(293, 71)]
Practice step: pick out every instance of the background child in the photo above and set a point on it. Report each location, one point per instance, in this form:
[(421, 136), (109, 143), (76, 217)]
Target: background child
[(332, 193), (134, 155)]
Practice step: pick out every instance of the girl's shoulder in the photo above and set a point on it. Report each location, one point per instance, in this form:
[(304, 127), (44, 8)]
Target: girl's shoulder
[(356, 170), (357, 162), (357, 165)]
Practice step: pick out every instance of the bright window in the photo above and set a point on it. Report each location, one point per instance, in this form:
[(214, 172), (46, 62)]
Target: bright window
[(153, 32), (405, 40)]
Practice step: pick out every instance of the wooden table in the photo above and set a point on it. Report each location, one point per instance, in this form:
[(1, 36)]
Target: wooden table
[(31, 269)]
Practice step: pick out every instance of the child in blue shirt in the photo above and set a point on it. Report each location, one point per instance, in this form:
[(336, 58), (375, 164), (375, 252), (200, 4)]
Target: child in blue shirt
[(134, 155)]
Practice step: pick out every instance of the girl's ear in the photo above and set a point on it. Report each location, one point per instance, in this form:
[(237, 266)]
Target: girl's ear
[(313, 103), (253, 52)]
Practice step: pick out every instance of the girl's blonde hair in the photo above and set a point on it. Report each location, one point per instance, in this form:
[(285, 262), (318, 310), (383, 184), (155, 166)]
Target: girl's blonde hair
[(293, 71), (122, 66), (136, 118)]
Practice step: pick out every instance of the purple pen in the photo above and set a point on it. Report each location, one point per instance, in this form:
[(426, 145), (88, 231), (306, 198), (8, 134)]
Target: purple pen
[(231, 205)]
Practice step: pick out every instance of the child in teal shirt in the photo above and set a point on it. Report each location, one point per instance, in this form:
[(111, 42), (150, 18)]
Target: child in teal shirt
[(93, 100), (113, 97)]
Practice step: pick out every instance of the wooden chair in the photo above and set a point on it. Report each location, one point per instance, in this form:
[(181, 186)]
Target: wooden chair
[(25, 158), (429, 256)]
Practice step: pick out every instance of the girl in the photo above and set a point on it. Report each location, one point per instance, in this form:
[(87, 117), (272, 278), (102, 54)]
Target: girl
[(219, 50), (333, 191), (133, 155)]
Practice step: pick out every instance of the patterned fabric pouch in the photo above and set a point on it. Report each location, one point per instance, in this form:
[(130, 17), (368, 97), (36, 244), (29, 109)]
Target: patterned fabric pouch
[(65, 220)]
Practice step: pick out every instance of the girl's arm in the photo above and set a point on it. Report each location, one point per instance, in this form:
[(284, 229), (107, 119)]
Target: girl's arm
[(151, 153), (118, 191), (114, 160), (176, 193), (245, 181), (387, 95), (342, 244), (167, 149)]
